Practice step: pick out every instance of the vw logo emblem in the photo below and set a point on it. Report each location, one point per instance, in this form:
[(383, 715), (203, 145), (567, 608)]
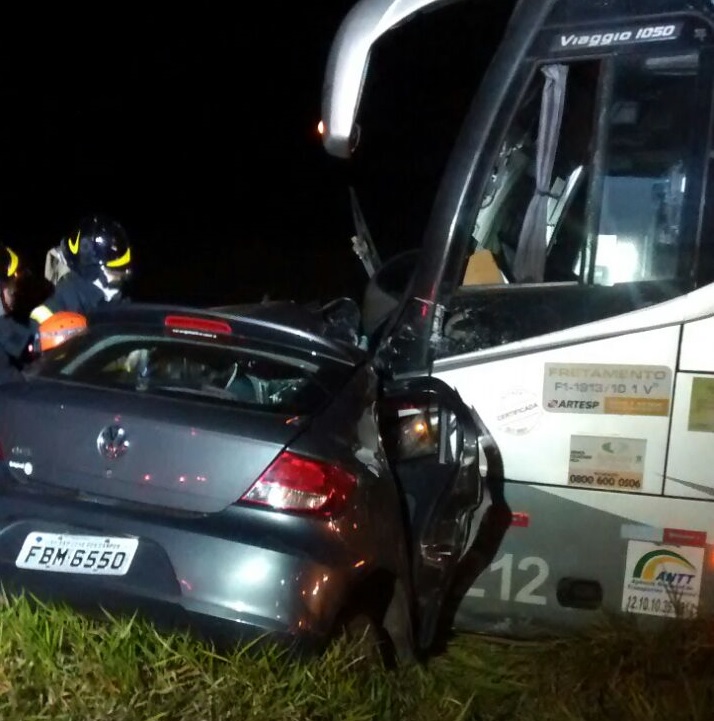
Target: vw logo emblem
[(112, 442)]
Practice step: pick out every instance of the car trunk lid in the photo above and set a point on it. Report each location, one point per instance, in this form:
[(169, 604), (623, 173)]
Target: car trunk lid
[(163, 452)]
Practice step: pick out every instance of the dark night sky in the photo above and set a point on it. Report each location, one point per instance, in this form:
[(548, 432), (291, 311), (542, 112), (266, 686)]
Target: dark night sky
[(197, 132)]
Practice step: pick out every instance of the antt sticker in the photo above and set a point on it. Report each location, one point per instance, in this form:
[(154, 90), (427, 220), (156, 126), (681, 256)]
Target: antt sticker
[(662, 580)]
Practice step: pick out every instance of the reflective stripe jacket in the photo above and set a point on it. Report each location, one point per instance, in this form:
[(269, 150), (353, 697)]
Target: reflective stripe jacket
[(14, 341), (72, 293)]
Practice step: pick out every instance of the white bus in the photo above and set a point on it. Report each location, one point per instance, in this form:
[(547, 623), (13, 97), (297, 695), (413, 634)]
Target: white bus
[(564, 286)]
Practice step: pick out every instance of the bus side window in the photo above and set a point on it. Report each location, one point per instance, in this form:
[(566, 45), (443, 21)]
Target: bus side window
[(615, 236)]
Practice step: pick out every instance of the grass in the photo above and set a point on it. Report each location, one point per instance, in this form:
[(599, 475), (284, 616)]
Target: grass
[(56, 664)]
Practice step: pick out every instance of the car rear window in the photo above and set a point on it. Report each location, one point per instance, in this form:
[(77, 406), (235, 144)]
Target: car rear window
[(244, 374)]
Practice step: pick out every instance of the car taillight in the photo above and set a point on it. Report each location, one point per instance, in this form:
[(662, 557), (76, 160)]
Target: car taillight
[(295, 483), (197, 326)]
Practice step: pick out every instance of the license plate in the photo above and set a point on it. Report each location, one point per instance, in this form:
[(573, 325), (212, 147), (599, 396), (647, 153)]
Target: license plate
[(62, 553)]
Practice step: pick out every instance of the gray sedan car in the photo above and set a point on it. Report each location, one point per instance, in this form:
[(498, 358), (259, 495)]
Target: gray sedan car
[(245, 474)]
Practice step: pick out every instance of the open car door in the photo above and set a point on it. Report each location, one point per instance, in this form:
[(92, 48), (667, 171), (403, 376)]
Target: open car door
[(431, 438)]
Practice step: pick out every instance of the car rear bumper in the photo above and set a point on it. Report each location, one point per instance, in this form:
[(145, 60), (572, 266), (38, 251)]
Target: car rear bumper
[(226, 576)]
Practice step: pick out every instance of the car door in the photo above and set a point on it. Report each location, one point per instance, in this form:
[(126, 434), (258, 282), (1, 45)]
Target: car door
[(432, 440)]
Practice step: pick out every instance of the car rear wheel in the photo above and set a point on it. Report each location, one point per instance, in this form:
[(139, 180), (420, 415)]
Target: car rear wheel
[(367, 638)]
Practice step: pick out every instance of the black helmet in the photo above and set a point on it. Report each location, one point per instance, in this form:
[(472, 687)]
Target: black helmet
[(99, 250)]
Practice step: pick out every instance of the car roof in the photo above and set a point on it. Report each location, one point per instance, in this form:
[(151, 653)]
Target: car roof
[(284, 324)]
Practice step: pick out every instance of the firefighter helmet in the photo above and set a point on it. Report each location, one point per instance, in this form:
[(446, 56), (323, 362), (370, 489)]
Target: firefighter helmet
[(9, 263), (99, 249)]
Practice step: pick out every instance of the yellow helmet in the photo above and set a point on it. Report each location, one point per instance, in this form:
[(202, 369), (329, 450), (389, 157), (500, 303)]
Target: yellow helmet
[(9, 263)]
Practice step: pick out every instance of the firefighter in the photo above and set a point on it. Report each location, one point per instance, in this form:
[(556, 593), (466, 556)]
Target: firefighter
[(90, 268), (15, 338)]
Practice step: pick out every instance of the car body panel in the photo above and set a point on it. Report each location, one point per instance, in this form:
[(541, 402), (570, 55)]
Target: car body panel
[(189, 457), (207, 568)]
